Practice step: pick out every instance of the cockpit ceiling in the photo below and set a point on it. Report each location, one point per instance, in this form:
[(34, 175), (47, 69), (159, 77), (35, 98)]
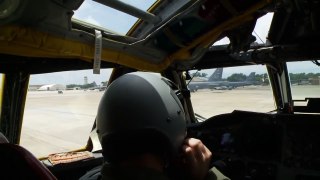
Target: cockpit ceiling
[(179, 40)]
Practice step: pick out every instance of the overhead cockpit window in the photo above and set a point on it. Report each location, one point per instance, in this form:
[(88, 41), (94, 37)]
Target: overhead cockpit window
[(108, 18), (262, 27), (260, 31), (223, 41)]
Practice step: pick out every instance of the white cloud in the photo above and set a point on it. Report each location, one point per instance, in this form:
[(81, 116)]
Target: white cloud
[(86, 5), (105, 17), (109, 18), (141, 4), (92, 20)]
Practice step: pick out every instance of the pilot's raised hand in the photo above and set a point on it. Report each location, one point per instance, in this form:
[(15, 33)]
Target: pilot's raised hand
[(196, 158)]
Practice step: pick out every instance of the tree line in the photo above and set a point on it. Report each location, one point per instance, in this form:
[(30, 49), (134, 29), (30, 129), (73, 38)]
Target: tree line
[(86, 86), (298, 77), (263, 78), (236, 77), (83, 86)]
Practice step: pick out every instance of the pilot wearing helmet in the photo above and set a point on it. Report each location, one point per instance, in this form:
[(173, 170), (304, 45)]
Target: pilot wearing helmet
[(142, 129)]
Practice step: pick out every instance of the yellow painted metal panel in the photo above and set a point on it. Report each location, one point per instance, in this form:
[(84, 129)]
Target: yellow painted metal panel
[(28, 42)]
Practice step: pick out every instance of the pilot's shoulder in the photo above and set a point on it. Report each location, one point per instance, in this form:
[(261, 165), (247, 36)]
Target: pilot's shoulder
[(215, 174)]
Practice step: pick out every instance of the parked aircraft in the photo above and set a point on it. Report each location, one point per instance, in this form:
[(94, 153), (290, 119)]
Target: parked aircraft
[(100, 88), (216, 75), (215, 82), (213, 79), (249, 81)]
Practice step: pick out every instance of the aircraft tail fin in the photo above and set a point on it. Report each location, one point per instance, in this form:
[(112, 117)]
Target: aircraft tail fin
[(216, 75), (251, 76)]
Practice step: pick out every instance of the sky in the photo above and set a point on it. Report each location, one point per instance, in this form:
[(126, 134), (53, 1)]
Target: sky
[(71, 77), (111, 19), (119, 22)]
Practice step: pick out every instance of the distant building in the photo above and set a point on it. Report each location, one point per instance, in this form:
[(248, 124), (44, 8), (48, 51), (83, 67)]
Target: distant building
[(74, 88), (199, 79), (85, 80), (52, 87), (34, 87), (315, 81)]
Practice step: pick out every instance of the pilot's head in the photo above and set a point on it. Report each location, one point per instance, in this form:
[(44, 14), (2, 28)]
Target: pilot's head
[(140, 113)]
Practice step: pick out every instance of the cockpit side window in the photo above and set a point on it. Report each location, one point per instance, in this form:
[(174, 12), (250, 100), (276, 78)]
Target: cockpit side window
[(304, 79), (60, 110)]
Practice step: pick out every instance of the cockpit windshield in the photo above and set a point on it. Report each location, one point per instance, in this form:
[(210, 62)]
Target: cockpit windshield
[(222, 90)]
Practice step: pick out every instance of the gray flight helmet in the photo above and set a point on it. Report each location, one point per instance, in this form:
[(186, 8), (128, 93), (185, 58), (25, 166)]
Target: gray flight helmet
[(140, 103)]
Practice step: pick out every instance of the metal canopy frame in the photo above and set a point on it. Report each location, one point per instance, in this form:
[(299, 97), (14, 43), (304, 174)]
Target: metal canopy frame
[(131, 10)]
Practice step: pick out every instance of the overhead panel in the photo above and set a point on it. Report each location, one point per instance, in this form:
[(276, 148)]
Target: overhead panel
[(187, 35)]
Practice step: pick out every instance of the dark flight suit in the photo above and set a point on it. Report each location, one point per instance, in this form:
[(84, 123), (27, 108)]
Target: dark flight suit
[(116, 173)]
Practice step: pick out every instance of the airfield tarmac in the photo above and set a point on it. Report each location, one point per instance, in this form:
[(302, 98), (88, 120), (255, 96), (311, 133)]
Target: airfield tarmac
[(62, 122)]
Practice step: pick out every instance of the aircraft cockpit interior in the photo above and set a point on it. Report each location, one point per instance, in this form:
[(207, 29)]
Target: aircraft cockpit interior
[(247, 72)]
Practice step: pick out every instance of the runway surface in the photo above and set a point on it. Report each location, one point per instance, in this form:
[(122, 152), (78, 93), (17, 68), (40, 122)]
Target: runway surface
[(58, 122), (62, 122)]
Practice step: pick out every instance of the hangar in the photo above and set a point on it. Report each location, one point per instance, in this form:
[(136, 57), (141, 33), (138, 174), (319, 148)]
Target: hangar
[(52, 87)]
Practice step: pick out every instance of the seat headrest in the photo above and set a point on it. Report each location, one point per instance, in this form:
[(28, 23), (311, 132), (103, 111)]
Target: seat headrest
[(18, 163)]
